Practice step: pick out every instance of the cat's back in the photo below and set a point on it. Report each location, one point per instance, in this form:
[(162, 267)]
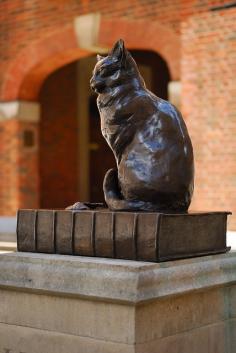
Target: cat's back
[(158, 120), (160, 150)]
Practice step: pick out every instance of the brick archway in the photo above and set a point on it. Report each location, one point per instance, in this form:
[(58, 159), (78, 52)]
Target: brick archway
[(34, 63), (146, 36), (26, 73)]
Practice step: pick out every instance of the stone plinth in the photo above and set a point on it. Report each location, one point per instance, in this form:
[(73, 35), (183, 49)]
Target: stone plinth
[(67, 304)]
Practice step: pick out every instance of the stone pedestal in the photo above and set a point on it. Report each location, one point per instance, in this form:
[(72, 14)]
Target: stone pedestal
[(68, 304)]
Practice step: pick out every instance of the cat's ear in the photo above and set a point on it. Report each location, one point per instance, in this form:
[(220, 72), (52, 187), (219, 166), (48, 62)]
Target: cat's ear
[(119, 51), (99, 57)]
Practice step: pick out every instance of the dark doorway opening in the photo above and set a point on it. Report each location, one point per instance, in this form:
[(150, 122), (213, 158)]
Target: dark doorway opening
[(159, 72), (58, 139)]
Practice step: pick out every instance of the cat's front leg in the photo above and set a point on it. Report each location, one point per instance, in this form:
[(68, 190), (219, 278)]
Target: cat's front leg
[(82, 206), (77, 206)]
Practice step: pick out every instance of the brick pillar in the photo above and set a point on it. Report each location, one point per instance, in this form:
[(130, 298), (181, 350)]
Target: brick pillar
[(19, 177), (209, 89)]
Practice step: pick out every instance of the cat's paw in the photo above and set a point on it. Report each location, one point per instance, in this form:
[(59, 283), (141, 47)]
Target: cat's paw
[(78, 206)]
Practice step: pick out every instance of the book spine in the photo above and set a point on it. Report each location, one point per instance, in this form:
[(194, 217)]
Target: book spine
[(64, 232), (26, 230), (103, 234), (84, 223), (45, 231)]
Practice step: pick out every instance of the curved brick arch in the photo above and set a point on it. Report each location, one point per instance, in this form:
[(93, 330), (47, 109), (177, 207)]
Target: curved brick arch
[(144, 35), (34, 63)]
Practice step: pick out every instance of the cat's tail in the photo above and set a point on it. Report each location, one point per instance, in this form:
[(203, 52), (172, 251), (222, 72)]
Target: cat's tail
[(114, 198)]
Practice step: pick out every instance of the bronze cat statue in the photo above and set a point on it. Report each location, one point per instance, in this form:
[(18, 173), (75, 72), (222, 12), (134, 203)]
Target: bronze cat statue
[(148, 136)]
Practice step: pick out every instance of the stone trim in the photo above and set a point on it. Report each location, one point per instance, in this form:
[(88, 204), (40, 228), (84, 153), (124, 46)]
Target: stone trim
[(87, 28), (112, 280), (174, 93), (20, 110)]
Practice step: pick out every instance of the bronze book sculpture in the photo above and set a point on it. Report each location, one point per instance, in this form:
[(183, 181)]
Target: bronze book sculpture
[(149, 139)]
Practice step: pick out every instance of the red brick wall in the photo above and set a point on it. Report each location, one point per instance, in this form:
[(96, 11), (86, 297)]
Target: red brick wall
[(58, 139), (19, 181), (8, 167), (37, 33), (209, 105), (24, 22)]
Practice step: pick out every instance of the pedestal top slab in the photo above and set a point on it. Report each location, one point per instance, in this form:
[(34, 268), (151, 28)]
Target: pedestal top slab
[(123, 281)]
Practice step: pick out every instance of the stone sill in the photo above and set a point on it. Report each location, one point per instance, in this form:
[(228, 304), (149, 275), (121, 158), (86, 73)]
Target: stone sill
[(112, 280)]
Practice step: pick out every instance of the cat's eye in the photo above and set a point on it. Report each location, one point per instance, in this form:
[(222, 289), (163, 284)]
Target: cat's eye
[(107, 71)]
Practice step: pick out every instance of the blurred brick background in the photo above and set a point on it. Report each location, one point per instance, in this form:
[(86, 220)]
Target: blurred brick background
[(40, 56)]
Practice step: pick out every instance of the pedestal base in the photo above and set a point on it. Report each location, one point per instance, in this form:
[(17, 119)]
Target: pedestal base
[(56, 303)]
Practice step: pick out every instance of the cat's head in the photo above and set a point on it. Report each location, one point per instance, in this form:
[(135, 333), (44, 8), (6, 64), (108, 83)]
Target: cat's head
[(115, 69)]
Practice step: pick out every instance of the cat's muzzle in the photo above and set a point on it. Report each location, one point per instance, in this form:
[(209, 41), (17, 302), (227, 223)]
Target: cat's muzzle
[(97, 86)]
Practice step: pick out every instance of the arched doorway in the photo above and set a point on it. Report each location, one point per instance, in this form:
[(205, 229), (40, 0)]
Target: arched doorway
[(28, 70), (74, 156)]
